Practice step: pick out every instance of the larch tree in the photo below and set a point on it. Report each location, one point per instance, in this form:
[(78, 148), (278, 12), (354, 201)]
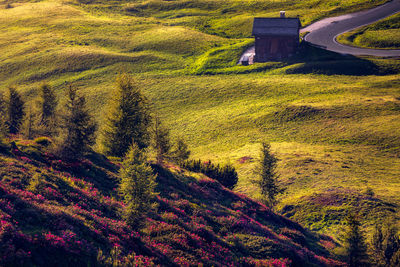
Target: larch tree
[(48, 104), (30, 125), (181, 152), (356, 248), (127, 119), (15, 111), (267, 177), (137, 184), (161, 141), (385, 245), (3, 116), (78, 126)]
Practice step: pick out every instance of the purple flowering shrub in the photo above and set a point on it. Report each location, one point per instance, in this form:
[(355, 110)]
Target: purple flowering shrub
[(72, 216)]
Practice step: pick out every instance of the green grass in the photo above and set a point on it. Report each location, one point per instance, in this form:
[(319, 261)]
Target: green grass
[(384, 34), (332, 120)]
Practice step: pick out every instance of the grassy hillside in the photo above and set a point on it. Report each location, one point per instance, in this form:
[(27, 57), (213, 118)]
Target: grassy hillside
[(333, 120), (332, 133), (53, 38), (56, 213), (382, 34)]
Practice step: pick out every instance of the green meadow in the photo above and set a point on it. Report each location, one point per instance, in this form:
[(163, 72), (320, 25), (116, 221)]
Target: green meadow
[(332, 120)]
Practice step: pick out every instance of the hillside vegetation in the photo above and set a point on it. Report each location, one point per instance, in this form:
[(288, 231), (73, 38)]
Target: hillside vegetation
[(332, 120), (58, 213), (382, 34)]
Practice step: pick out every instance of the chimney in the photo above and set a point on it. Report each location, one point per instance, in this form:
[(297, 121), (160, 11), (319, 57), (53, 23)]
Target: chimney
[(282, 14)]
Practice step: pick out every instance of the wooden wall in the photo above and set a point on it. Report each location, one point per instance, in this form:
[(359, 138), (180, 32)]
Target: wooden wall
[(269, 48)]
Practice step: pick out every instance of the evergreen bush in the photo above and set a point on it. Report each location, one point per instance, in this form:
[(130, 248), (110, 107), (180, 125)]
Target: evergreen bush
[(226, 175), (43, 141)]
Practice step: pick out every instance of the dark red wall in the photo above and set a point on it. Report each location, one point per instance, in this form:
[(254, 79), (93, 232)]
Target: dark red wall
[(275, 47)]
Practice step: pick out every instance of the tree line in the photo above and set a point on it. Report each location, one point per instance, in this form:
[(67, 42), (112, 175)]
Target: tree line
[(226, 174), (128, 131), (383, 250)]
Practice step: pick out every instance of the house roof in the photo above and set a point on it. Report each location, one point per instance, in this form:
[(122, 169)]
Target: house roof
[(276, 26)]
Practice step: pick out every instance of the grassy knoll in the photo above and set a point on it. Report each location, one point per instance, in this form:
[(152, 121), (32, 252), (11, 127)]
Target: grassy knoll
[(332, 120), (383, 34)]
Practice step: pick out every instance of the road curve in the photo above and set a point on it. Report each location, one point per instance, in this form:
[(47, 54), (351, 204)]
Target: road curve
[(324, 32)]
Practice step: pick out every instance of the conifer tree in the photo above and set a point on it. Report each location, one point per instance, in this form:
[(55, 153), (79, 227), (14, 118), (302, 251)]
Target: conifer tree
[(228, 176), (137, 184), (78, 126), (356, 248), (30, 124), (48, 105), (385, 245), (161, 141), (127, 119), (395, 260), (15, 111), (181, 152), (267, 177), (3, 117)]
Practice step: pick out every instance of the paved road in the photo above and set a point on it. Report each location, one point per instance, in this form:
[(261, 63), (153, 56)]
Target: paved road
[(324, 32)]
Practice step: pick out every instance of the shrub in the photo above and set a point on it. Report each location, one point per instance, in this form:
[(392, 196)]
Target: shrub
[(4, 148), (369, 192), (43, 141), (35, 182), (226, 175)]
